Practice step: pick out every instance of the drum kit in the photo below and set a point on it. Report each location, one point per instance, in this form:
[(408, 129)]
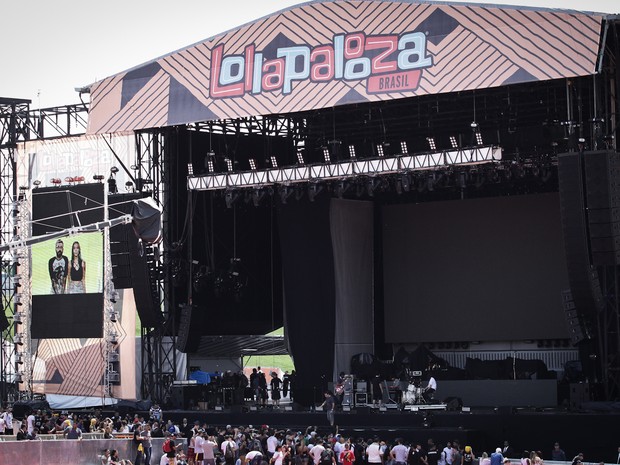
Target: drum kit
[(413, 395)]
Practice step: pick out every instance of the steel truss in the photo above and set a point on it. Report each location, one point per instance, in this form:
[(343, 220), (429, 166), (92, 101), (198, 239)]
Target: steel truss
[(153, 174), (14, 115)]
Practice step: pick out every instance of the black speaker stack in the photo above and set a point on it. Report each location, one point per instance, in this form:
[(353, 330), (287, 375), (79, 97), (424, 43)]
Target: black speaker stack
[(190, 328), (589, 186)]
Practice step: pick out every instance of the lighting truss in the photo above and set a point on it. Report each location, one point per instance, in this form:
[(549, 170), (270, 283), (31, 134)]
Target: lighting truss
[(382, 166)]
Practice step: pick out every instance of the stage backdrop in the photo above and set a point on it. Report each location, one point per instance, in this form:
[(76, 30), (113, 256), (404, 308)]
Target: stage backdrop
[(327, 53)]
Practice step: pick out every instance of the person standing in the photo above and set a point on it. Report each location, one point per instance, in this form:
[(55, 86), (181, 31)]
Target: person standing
[(329, 405), (286, 381), (58, 267), (77, 273), (374, 453), (399, 453), (147, 443), (557, 454), (30, 422), (447, 453), (275, 383), (496, 457)]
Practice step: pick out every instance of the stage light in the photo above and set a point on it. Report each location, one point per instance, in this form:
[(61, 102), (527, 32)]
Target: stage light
[(19, 358), (113, 316), (257, 196), (453, 142), (17, 299), (56, 181), (231, 197), (229, 164), (403, 147), (36, 182), (326, 155), (478, 138), (129, 186), (380, 152), (190, 169), (474, 125), (18, 339), (17, 281), (313, 190), (274, 162), (114, 170), (98, 177), (210, 166), (285, 192), (352, 151), (18, 318), (134, 167), (23, 189), (252, 164), (19, 377), (113, 339), (431, 144), (300, 158)]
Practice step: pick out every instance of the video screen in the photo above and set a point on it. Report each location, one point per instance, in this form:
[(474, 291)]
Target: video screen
[(67, 272)]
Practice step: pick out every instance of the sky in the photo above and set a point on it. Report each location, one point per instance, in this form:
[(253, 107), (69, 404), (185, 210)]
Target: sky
[(52, 47)]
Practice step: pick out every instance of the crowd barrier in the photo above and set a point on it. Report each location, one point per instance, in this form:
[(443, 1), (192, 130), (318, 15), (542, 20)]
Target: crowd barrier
[(64, 451)]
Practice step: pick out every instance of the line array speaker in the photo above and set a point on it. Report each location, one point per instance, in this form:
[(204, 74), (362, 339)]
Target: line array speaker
[(577, 326), (190, 328), (603, 202), (582, 275)]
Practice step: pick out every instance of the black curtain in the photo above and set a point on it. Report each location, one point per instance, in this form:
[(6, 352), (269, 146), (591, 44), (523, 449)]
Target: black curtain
[(309, 294)]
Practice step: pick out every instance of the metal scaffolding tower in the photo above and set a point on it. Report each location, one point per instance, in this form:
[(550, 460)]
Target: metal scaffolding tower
[(14, 124)]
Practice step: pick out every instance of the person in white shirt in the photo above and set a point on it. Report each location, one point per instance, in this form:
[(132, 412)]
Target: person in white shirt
[(447, 454), (199, 441), (30, 422), (316, 451), (224, 447), (272, 443), (374, 453), (429, 390), (399, 452), (2, 425), (208, 448), (339, 448)]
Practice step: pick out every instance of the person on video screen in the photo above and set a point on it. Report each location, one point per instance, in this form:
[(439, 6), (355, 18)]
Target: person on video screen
[(77, 275), (58, 267)]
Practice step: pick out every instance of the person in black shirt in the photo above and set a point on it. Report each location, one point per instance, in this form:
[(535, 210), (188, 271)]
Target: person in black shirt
[(432, 456)]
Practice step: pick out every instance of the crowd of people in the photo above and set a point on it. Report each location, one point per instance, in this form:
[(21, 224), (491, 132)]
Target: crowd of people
[(196, 443)]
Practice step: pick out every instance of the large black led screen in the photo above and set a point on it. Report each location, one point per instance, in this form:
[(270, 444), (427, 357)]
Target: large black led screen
[(474, 270), (67, 278)]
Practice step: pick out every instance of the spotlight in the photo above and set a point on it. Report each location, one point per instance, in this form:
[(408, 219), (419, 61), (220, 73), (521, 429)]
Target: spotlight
[(19, 377), (114, 296), (257, 196), (474, 125), (190, 169), (403, 147), (134, 167), (431, 144), (229, 164), (18, 339), (252, 164), (114, 170), (380, 152), (17, 299), (36, 182), (129, 186), (313, 191), (113, 316), (274, 162), (326, 155), (56, 181), (285, 192), (98, 177), (19, 358), (300, 158), (210, 166), (17, 281), (478, 138), (453, 142), (18, 318), (231, 197), (113, 339), (352, 151)]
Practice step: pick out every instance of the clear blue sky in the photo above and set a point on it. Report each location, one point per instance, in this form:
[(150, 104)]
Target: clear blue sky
[(51, 47)]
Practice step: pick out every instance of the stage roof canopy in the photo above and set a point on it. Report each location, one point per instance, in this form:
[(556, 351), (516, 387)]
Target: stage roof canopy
[(326, 53)]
